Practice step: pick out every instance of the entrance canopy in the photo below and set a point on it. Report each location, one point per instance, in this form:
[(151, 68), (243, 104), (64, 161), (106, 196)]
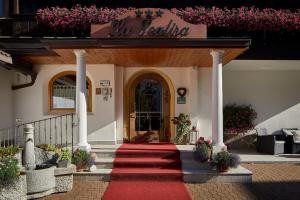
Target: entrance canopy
[(139, 38), (127, 52)]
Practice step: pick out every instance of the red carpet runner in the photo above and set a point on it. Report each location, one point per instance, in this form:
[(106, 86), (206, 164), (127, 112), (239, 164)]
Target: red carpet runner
[(147, 172)]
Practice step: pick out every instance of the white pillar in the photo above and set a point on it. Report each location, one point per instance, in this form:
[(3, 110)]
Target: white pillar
[(81, 99), (29, 156), (217, 100)]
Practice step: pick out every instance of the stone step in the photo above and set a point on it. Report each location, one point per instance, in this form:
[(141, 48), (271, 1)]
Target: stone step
[(104, 153), (147, 163), (151, 174), (194, 164), (97, 175), (106, 146), (237, 175), (137, 153), (104, 163)]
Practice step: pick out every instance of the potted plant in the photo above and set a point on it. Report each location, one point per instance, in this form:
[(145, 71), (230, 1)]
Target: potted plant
[(203, 150), (81, 159), (64, 158), (225, 160), (183, 124)]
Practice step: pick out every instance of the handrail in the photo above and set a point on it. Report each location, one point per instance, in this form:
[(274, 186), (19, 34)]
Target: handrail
[(57, 130)]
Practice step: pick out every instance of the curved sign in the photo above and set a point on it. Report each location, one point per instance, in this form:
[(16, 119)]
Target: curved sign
[(148, 23)]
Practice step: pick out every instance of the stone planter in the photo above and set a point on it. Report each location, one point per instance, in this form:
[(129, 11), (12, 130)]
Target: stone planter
[(40, 182), (42, 156), (14, 191), (63, 163), (64, 178)]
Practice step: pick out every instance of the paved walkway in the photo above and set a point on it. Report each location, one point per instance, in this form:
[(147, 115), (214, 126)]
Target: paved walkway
[(270, 182)]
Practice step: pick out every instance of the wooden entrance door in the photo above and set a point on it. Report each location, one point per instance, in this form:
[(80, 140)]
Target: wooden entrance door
[(149, 110)]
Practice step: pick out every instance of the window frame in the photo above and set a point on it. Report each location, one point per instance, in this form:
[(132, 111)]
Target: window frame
[(67, 110)]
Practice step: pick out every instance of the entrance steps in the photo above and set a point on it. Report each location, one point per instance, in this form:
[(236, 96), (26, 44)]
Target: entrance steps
[(158, 164)]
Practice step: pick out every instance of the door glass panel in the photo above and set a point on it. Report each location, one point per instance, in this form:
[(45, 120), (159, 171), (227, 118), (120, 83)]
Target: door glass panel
[(148, 105)]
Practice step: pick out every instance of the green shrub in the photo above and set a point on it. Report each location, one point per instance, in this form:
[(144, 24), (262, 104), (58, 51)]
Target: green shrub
[(9, 151), (81, 159), (9, 170), (238, 118), (65, 154), (224, 160), (48, 147)]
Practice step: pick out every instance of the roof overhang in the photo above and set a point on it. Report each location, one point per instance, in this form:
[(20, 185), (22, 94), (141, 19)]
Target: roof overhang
[(125, 52)]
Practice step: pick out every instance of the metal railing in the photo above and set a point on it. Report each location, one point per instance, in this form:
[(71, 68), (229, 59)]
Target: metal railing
[(18, 25), (58, 130)]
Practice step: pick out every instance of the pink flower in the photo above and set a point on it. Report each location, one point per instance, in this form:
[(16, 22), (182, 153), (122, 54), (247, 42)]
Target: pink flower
[(209, 141)]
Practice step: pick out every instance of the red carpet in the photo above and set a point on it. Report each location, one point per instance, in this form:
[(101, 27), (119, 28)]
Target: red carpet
[(147, 172)]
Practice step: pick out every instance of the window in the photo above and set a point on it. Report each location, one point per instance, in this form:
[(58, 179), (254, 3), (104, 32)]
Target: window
[(62, 92)]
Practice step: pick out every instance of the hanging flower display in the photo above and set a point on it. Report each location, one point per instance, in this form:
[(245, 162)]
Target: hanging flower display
[(246, 19)]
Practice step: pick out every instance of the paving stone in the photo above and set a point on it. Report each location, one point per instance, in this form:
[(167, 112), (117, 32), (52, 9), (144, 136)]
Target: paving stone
[(270, 181)]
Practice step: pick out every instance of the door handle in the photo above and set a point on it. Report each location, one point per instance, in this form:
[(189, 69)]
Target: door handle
[(132, 115)]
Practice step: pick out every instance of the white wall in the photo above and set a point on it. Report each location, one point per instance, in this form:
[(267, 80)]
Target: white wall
[(274, 94), (6, 99), (31, 103)]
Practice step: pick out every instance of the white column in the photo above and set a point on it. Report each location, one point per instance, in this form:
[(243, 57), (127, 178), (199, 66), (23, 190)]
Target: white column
[(81, 99), (217, 100)]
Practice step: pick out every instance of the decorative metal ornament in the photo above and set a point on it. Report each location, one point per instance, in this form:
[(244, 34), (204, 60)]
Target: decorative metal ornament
[(138, 13), (181, 92), (149, 13), (159, 13)]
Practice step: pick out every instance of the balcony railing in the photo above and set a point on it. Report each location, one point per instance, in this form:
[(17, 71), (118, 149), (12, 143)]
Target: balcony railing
[(18, 25)]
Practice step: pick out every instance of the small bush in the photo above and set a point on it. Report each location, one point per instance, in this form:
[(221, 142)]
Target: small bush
[(48, 147), (9, 170), (9, 151), (238, 118), (224, 160), (81, 159), (65, 154)]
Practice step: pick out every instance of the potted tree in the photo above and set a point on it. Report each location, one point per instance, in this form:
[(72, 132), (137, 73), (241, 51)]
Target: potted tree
[(64, 158), (183, 124), (225, 160), (81, 159)]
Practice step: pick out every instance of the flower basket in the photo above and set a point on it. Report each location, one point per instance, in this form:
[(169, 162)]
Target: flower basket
[(203, 150)]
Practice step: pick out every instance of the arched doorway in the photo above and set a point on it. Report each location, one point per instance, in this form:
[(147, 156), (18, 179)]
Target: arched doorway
[(149, 108)]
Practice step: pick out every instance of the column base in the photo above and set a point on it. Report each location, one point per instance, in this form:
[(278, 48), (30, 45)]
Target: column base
[(219, 147), (87, 147)]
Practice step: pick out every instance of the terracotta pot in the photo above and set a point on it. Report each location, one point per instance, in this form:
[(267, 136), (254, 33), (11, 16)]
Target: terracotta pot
[(222, 168), (81, 168)]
